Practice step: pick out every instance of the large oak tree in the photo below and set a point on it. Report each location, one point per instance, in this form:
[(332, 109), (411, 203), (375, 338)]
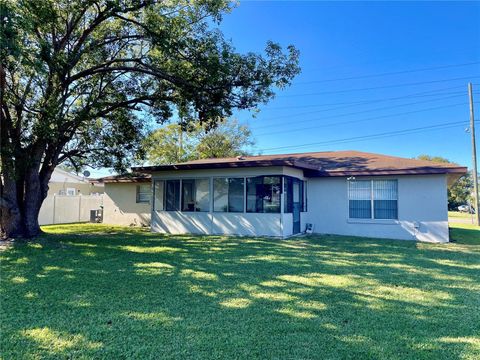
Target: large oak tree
[(80, 79)]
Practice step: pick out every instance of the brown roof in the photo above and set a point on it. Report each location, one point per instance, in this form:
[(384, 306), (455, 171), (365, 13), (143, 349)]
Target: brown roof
[(328, 163), (126, 178)]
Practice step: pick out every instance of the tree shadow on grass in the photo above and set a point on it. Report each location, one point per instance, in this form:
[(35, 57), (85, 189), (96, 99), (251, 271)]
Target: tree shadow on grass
[(468, 236), (127, 293)]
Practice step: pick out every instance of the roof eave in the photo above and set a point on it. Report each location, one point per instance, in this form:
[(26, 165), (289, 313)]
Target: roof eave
[(386, 172), (224, 165)]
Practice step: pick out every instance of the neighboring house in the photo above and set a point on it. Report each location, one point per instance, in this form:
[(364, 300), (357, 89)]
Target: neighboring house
[(65, 183), (344, 192), (127, 199), (70, 198)]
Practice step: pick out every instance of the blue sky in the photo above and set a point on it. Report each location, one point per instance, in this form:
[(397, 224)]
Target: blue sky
[(339, 40), (366, 42)]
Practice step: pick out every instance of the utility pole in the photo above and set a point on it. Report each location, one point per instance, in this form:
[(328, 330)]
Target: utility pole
[(474, 155)]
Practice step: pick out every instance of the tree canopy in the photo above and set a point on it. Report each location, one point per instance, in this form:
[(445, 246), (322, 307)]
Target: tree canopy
[(81, 80), (172, 144), (460, 193)]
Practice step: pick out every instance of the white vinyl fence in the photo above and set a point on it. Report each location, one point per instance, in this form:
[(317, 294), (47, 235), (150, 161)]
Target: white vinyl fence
[(63, 209)]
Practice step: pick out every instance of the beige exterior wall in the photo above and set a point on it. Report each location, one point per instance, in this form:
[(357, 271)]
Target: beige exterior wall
[(84, 189), (120, 205)]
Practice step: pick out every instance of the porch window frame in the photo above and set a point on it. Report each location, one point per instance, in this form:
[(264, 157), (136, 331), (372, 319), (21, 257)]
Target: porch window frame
[(244, 202), (211, 187), (180, 194)]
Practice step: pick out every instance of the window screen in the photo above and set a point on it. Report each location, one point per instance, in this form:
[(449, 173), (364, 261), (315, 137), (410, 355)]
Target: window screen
[(263, 194), (143, 193), (360, 199), (172, 195), (159, 191), (385, 200), (202, 194), (228, 195), (373, 199)]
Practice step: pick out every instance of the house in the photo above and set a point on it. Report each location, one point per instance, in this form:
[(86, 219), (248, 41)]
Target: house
[(342, 192), (65, 183), (70, 198), (127, 199)]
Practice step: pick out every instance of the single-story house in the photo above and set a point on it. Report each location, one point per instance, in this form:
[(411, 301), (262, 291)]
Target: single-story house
[(342, 192), (127, 199)]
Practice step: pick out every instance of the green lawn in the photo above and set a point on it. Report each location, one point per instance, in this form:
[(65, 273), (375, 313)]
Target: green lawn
[(459, 215), (93, 291), (465, 233)]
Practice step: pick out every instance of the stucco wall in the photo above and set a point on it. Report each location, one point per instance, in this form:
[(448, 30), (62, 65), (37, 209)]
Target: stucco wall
[(83, 189), (422, 209), (121, 208), (176, 222), (421, 200)]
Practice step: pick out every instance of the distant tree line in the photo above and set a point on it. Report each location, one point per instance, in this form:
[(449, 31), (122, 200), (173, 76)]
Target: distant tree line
[(460, 192)]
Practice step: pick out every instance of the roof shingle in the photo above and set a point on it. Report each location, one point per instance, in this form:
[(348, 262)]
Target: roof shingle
[(328, 163)]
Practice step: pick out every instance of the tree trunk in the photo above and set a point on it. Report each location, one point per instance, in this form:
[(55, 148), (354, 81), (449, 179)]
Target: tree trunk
[(20, 219), (22, 196)]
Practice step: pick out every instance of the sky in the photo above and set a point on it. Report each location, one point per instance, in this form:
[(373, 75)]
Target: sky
[(399, 69)]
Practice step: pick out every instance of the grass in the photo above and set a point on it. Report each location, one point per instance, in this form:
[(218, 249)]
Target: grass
[(459, 215), (465, 233), (94, 291)]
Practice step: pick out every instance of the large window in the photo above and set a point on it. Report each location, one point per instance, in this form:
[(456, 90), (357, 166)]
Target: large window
[(263, 194), (195, 195), (202, 194), (172, 195), (373, 199), (228, 195), (143, 193)]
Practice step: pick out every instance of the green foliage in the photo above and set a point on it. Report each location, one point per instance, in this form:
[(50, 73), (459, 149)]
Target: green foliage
[(102, 292), (171, 144), (163, 146), (83, 80), (459, 193), (433, 158)]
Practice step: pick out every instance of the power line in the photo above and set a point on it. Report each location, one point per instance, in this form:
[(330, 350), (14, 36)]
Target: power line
[(381, 87), (352, 113), (388, 73), (356, 121), (375, 136), (361, 102)]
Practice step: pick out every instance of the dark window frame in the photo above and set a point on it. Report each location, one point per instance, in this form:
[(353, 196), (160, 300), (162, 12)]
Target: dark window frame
[(177, 202), (138, 194), (179, 198)]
